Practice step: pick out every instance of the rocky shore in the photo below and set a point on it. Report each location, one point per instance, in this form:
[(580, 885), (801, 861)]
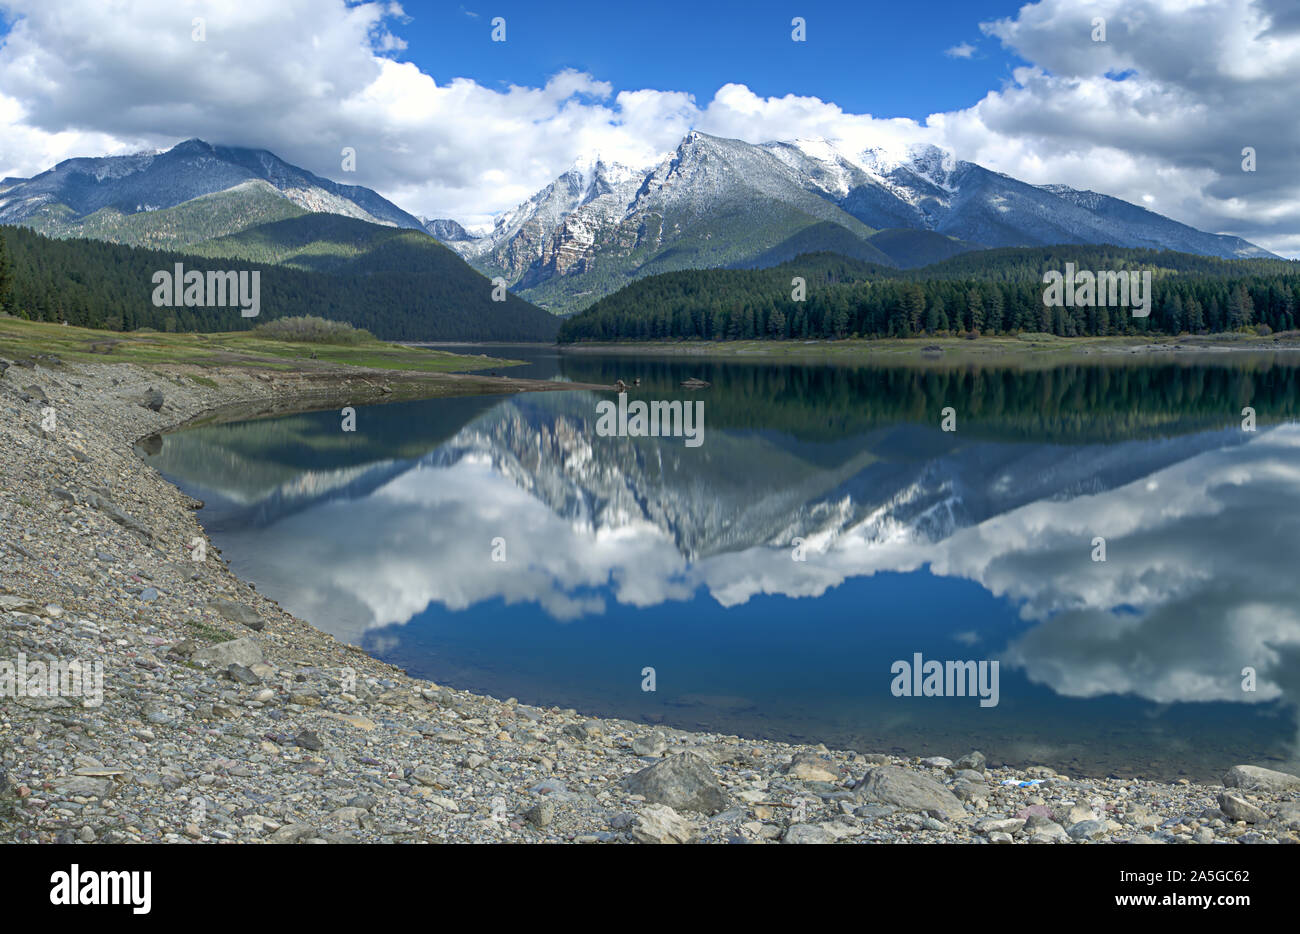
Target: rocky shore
[(224, 718)]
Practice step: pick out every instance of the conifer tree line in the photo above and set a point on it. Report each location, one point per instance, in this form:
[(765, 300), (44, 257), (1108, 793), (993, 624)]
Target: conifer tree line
[(6, 277), (986, 292), (96, 284)]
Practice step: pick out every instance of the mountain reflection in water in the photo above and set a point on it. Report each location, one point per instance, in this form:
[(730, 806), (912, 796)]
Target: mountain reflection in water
[(623, 553)]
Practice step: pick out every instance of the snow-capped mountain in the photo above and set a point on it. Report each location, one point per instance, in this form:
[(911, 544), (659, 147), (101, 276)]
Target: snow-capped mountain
[(554, 231), (925, 187), (94, 190), (446, 230), (721, 202)]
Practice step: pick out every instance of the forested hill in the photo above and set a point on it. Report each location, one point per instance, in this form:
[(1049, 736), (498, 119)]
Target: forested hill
[(414, 292), (990, 291)]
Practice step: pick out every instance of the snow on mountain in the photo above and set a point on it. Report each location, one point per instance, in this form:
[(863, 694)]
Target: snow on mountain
[(552, 230), (715, 202), (446, 230), (76, 188)]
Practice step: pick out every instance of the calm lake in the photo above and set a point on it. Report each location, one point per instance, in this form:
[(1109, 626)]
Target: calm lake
[(825, 529)]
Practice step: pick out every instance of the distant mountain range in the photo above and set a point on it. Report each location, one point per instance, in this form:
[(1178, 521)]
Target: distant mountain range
[(104, 197), (721, 202), (600, 225)]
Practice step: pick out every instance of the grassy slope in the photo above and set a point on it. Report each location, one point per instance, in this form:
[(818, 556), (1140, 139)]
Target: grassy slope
[(19, 339), (318, 242), (223, 212)]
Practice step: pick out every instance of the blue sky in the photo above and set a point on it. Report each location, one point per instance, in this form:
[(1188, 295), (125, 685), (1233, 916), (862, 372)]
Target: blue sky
[(867, 57), (447, 123)]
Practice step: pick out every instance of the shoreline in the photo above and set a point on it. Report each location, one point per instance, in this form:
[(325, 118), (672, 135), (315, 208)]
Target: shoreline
[(225, 718), (1025, 350)]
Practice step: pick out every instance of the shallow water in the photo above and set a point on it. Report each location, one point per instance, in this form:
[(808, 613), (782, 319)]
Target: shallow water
[(622, 554)]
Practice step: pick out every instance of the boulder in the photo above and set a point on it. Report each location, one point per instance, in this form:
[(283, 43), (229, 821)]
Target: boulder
[(810, 767), (659, 823), (1254, 778), (807, 833), (653, 744), (684, 782), (243, 651), (889, 784), (1239, 808), (238, 613)]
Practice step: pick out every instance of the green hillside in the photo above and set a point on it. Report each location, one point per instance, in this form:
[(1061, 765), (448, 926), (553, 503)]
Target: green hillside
[(322, 242), (911, 248), (243, 206), (824, 237), (988, 292), (405, 289)]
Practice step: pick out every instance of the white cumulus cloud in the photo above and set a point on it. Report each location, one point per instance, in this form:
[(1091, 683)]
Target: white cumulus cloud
[(1157, 114)]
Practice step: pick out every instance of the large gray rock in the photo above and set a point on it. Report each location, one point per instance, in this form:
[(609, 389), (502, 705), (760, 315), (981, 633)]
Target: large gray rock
[(1239, 808), (810, 767), (889, 784), (110, 509), (653, 744), (541, 814), (659, 823), (1288, 815), (79, 785), (1254, 778), (684, 782), (243, 651), (1087, 830), (238, 613), (1011, 825), (11, 603), (807, 833)]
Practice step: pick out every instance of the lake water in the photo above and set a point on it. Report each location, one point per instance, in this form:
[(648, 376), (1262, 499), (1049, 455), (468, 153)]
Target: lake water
[(979, 544)]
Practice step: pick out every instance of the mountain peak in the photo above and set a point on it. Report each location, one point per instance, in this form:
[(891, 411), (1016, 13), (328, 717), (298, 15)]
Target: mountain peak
[(446, 230), (58, 200)]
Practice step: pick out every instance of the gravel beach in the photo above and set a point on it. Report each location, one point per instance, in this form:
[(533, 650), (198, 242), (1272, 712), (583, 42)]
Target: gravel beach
[(225, 719)]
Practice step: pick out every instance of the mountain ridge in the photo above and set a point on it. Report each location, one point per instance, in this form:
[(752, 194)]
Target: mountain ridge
[(584, 236), (61, 200)]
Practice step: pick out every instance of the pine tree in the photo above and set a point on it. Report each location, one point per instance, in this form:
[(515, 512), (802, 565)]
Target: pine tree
[(996, 311), (1175, 314), (914, 303), (935, 318), (975, 312), (6, 277), (1241, 308)]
